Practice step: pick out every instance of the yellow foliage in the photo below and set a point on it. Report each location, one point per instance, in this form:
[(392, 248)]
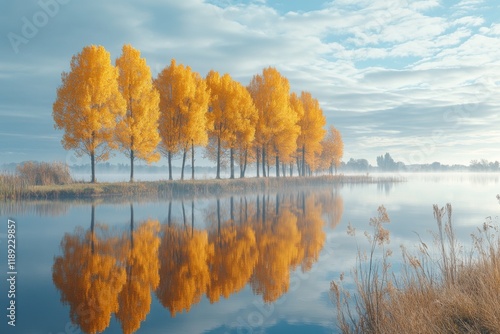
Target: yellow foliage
[(276, 127), (310, 224), (89, 279), (88, 103), (232, 113), (333, 148), (183, 105), (232, 116), (137, 132), (233, 261), (333, 207), (312, 129), (184, 274), (139, 255), (278, 244)]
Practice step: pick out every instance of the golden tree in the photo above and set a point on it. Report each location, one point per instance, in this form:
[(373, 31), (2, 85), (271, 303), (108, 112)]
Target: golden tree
[(285, 143), (89, 278), (333, 207), (183, 107), (333, 149), (139, 253), (232, 117), (88, 103), (298, 109), (184, 273), (233, 261), (137, 132), (310, 224), (270, 92), (279, 248), (312, 131)]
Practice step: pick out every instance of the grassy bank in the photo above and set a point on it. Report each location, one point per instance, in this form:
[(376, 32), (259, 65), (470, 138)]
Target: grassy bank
[(449, 291), (186, 188)]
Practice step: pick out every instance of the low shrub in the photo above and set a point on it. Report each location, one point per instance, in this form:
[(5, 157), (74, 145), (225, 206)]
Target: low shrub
[(44, 173)]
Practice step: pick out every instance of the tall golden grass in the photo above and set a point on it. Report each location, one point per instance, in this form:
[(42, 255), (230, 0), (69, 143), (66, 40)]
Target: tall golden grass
[(452, 292), (44, 173), (12, 186), (18, 185)]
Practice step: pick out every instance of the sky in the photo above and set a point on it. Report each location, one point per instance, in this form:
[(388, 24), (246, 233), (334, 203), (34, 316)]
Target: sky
[(418, 79)]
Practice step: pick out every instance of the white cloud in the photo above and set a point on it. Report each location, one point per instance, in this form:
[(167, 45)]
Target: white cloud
[(369, 57)]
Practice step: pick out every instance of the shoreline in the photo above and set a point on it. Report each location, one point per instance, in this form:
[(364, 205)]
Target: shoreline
[(189, 188)]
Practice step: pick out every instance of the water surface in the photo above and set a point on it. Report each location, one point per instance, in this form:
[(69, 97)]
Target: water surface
[(256, 263)]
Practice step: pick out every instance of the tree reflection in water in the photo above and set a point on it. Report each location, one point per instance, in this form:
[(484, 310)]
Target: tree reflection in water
[(89, 277), (256, 240)]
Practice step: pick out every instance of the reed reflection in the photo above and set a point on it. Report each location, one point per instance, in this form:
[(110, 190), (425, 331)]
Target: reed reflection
[(246, 240)]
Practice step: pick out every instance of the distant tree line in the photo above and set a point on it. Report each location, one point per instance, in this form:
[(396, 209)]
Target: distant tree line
[(103, 107), (386, 163), (484, 166)]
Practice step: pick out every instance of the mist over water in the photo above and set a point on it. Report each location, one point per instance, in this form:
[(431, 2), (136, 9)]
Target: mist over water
[(258, 262), (204, 174)]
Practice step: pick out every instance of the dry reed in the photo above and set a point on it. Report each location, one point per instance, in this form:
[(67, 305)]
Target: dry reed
[(452, 293), (12, 186), (44, 173)]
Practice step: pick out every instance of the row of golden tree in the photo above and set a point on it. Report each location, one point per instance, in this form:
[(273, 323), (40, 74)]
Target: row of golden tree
[(102, 273), (102, 107)]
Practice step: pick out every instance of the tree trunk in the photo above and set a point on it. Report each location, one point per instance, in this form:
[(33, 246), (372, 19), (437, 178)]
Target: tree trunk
[(243, 167), (303, 160), (263, 161), (258, 157), (246, 210), (184, 154), (291, 168), (277, 166), (218, 216), (132, 158), (192, 217), (192, 160), (263, 210), (131, 226), (131, 143), (169, 217), (277, 209), (231, 161), (283, 169), (218, 158), (92, 224), (303, 195), (183, 214), (258, 209), (92, 166), (231, 210), (169, 165), (241, 210)]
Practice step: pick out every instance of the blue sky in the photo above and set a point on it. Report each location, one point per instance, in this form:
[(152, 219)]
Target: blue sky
[(419, 79)]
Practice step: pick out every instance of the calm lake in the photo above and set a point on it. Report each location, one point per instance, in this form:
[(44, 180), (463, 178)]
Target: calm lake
[(255, 263)]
